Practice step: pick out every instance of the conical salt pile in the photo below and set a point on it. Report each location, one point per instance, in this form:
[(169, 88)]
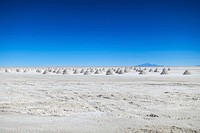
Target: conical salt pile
[(92, 70), (126, 70), (82, 71), (76, 72), (87, 73), (46, 72), (97, 72), (150, 70), (65, 72), (164, 71), (142, 72), (100, 71), (54, 71), (37, 70), (118, 70), (18, 70), (121, 72), (59, 72), (109, 72), (7, 70), (156, 70), (186, 72)]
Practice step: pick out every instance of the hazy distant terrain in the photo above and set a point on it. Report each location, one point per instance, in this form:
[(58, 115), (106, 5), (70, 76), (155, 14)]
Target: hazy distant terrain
[(149, 65)]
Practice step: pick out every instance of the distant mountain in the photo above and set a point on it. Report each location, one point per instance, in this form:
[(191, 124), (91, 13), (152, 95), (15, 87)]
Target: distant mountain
[(149, 65)]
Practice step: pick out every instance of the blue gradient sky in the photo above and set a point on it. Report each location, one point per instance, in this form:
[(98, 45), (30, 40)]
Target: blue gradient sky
[(99, 32)]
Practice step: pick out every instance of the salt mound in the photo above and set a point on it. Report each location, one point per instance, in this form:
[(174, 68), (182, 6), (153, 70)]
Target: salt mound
[(142, 72), (164, 71), (82, 71), (46, 72), (87, 73), (156, 70), (7, 70), (59, 72), (117, 70), (54, 71), (92, 70), (150, 70), (109, 72), (18, 70), (97, 72), (121, 72), (186, 72), (126, 70), (25, 71), (39, 71), (76, 72), (65, 72)]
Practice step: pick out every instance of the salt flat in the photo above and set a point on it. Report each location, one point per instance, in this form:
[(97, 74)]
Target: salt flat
[(34, 102)]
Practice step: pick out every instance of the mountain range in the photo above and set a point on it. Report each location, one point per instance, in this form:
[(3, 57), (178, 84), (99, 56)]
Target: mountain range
[(149, 65)]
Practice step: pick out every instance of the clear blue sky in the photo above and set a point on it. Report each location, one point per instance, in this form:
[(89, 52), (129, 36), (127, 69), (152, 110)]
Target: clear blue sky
[(99, 32)]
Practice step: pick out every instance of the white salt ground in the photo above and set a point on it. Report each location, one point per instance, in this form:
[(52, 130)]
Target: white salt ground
[(54, 103)]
